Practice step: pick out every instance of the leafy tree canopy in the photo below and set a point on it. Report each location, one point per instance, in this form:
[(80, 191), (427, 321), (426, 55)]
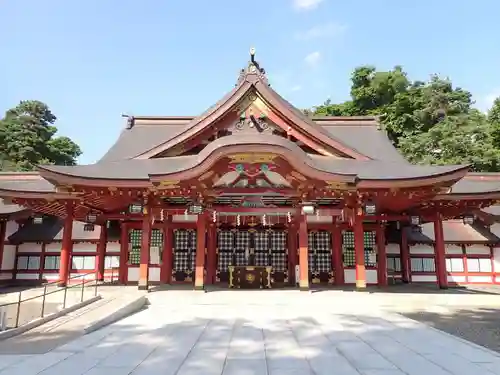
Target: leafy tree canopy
[(431, 122), (27, 136)]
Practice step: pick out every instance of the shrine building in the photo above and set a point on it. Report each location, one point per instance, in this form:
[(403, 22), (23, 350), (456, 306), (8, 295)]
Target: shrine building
[(252, 193)]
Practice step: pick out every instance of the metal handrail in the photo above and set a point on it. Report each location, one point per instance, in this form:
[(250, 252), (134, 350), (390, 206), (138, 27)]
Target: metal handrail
[(46, 293)]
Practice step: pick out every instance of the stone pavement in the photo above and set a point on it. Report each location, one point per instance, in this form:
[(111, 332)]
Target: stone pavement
[(268, 333)]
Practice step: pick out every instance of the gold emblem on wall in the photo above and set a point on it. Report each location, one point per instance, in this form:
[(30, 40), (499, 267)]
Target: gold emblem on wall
[(169, 185), (334, 185), (253, 158)]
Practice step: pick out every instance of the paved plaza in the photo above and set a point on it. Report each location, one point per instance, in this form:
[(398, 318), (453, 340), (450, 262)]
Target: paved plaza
[(274, 333)]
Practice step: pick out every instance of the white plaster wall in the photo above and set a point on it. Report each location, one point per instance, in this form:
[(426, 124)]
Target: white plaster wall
[(27, 276), (318, 219), (133, 274), (11, 228), (112, 247), (6, 276), (50, 276), (478, 249), (84, 247), (154, 274), (421, 249), (184, 218), (423, 278), (456, 279), (53, 247), (350, 276), (480, 279), (29, 248), (81, 277), (9, 257), (393, 248), (453, 249), (496, 259)]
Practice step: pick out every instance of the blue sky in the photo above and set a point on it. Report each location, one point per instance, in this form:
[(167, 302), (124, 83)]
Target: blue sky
[(92, 60)]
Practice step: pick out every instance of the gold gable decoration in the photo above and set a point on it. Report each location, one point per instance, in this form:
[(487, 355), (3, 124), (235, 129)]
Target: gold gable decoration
[(253, 158)]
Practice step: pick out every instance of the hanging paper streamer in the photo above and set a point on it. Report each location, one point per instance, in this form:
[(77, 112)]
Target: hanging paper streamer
[(214, 216), (186, 214), (238, 220), (264, 219), (289, 217), (162, 217)]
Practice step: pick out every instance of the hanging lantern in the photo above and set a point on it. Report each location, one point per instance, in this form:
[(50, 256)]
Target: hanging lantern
[(88, 227)]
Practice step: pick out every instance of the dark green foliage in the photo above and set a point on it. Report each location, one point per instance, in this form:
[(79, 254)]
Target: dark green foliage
[(27, 139), (430, 122)]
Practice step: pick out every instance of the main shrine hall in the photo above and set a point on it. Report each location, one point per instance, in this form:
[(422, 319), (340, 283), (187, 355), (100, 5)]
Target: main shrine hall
[(252, 193)]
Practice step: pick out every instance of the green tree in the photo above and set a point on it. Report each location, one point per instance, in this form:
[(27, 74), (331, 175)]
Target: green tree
[(430, 122), (27, 138)]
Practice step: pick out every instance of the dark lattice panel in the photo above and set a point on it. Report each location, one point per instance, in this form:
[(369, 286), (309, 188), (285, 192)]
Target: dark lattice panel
[(261, 239), (323, 241), (225, 241), (242, 241), (182, 238), (370, 249), (157, 241), (279, 261), (182, 261), (278, 240), (261, 258), (323, 262), (240, 258), (184, 254), (134, 240), (225, 260), (349, 252), (320, 251)]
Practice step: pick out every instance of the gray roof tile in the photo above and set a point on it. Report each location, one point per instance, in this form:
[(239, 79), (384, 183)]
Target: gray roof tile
[(454, 231)]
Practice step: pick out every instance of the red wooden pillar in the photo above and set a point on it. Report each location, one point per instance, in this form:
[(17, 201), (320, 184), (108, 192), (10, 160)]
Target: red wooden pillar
[(211, 253), (145, 250), (122, 272), (3, 231), (199, 274), (303, 254), (381, 256), (292, 252), (359, 251), (439, 250), (405, 257), (67, 244), (101, 252), (167, 255), (337, 261)]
